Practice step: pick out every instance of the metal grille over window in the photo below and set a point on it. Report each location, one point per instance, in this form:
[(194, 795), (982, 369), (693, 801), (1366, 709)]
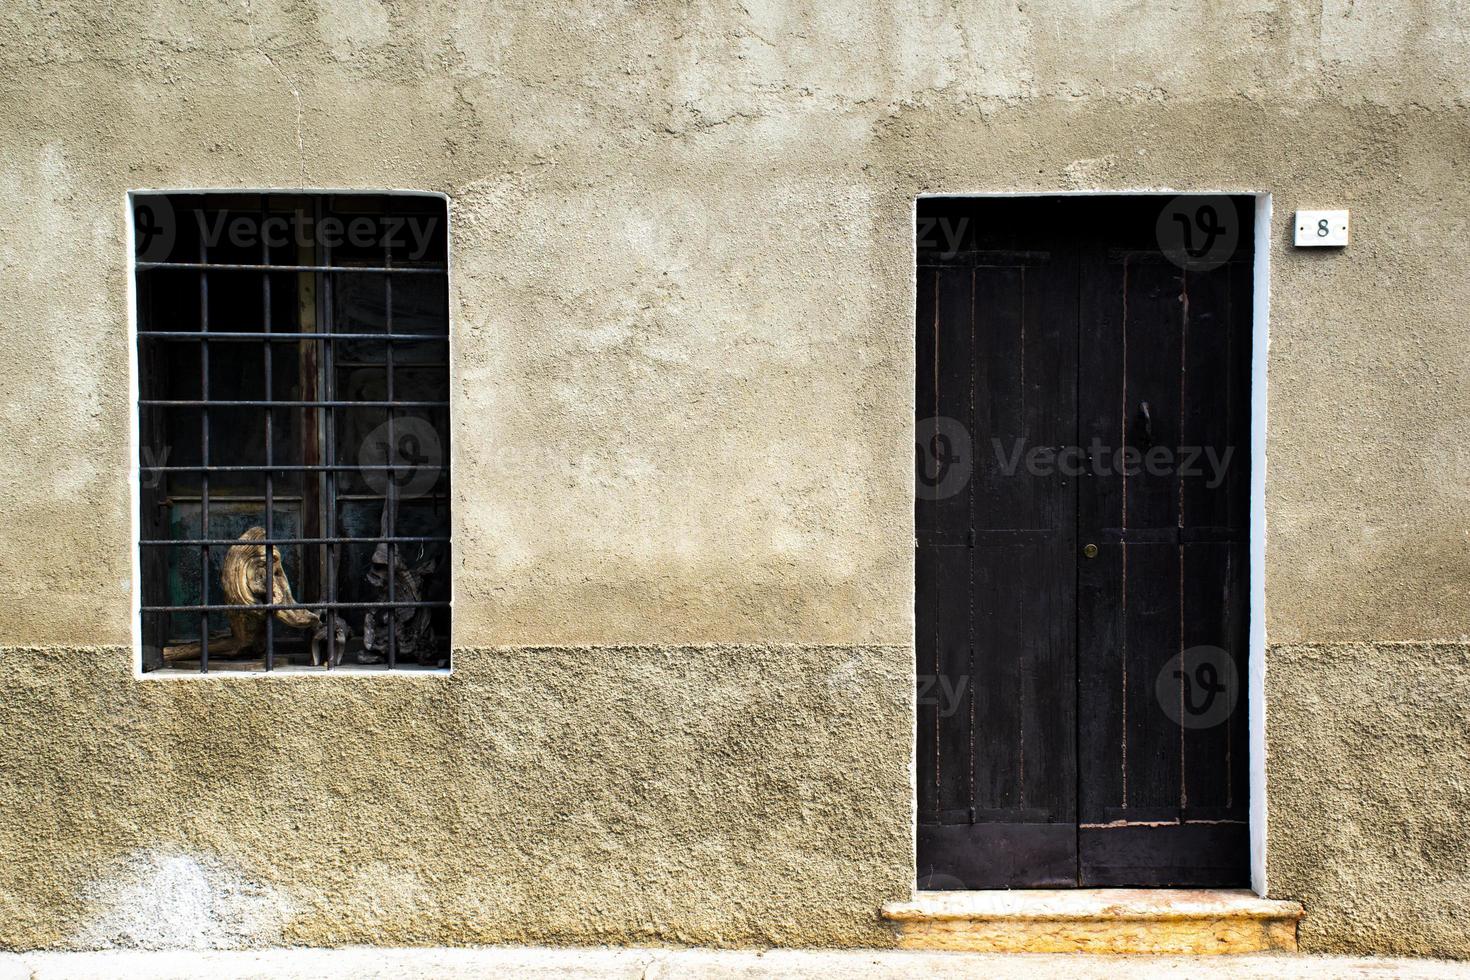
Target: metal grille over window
[(293, 369)]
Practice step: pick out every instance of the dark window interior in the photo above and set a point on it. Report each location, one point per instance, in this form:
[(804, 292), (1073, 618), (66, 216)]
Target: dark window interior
[(293, 378)]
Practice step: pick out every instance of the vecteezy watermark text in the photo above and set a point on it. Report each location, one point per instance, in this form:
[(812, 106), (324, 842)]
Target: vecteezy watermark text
[(1198, 232), (946, 459), (278, 230), (412, 460), (943, 692), (1096, 459), (943, 235), (1198, 687), (156, 230)]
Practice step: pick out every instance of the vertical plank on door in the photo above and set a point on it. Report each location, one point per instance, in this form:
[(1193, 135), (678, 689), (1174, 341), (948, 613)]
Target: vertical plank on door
[(1000, 561), (1155, 327), (954, 516), (1047, 397), (927, 621), (1211, 549), (1102, 601), (1025, 535)]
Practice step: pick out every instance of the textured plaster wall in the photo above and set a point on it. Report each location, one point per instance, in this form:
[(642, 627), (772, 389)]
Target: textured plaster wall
[(746, 795), (682, 319), (1369, 792)]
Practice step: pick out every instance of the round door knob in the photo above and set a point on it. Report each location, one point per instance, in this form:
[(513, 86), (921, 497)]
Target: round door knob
[(1090, 551)]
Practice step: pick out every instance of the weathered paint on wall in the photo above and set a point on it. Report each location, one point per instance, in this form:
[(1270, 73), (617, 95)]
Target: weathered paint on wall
[(683, 364)]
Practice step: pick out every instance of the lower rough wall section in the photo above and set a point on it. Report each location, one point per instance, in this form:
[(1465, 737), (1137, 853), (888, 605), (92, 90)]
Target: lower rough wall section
[(1369, 794), (724, 796), (711, 795)]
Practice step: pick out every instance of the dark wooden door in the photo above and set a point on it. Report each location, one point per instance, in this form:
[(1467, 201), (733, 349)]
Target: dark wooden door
[(1082, 515)]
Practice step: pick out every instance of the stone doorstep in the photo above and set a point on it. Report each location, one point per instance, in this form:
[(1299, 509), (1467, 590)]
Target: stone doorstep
[(1096, 920)]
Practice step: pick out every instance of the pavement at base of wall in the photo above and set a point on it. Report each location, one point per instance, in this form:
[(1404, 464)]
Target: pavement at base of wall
[(364, 963)]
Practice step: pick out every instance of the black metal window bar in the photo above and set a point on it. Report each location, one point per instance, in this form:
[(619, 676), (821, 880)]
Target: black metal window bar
[(293, 411)]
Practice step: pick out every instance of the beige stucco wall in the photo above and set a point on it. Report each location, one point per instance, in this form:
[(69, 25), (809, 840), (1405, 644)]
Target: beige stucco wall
[(682, 318), (746, 795), (1370, 752)]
